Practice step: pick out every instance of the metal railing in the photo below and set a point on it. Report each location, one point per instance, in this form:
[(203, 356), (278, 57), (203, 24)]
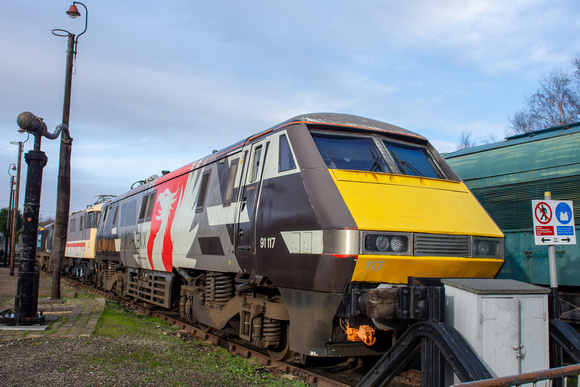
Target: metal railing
[(570, 374)]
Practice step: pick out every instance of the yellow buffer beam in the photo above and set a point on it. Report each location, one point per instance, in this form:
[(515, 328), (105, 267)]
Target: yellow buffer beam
[(396, 269)]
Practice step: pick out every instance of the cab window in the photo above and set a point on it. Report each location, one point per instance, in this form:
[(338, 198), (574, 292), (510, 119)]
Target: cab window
[(412, 160), (286, 160), (256, 164), (350, 152)]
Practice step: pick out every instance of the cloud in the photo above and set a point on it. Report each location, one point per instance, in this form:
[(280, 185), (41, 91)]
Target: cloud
[(175, 80)]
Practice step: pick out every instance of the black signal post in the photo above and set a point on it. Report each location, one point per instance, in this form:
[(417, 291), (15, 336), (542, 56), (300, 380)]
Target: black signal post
[(26, 302)]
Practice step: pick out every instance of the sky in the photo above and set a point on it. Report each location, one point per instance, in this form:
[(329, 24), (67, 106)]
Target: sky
[(159, 84)]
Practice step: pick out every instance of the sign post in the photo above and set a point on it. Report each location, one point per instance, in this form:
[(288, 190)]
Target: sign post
[(553, 225)]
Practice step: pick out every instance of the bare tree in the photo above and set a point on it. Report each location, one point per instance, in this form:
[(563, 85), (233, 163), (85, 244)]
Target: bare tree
[(465, 141), (556, 102), (490, 138), (576, 64)]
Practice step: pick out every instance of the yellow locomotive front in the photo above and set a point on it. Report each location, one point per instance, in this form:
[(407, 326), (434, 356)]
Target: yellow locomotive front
[(418, 227), (415, 217), (415, 223)]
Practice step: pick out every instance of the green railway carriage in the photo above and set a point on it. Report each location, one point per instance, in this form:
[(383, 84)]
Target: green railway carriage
[(506, 176)]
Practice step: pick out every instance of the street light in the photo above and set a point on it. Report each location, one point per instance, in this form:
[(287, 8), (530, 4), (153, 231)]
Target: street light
[(15, 207), (11, 167), (73, 11), (63, 187)]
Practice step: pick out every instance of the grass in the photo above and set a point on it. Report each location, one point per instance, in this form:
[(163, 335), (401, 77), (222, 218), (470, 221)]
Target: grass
[(154, 349)]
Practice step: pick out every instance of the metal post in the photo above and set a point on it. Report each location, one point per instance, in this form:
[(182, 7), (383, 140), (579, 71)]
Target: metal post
[(26, 302), (555, 312), (15, 210), (556, 357), (63, 188), (552, 256), (8, 222)]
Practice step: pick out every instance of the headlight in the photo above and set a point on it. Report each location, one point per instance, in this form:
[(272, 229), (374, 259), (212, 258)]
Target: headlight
[(382, 243), (487, 247), (386, 244), (483, 247)]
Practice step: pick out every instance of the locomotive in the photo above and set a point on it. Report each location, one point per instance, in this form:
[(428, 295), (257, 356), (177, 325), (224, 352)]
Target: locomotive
[(295, 238)]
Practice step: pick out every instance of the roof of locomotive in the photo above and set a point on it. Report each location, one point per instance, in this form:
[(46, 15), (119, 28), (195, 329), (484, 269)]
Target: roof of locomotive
[(348, 121), (329, 120)]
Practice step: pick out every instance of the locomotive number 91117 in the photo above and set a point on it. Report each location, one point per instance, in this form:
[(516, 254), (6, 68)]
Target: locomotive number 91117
[(267, 243)]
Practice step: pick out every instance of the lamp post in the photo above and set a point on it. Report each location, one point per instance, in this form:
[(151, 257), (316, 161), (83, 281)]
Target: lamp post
[(11, 167), (63, 186), (15, 207)]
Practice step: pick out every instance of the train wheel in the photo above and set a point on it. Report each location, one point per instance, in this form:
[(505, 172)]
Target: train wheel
[(282, 351)]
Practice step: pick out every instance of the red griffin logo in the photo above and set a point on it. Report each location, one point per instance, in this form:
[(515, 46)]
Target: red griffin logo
[(160, 243)]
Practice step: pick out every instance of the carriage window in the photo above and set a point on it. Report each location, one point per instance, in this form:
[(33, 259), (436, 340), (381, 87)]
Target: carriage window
[(202, 193), (143, 208), (413, 160), (230, 184), (114, 222), (129, 213), (72, 225), (93, 219), (81, 223), (151, 205), (147, 205), (105, 214), (349, 152), (286, 161), (256, 164)]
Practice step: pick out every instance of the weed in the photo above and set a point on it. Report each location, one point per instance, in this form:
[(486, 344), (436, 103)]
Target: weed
[(161, 358)]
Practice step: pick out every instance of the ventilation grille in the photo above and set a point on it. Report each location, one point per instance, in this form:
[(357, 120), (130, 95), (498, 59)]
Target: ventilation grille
[(442, 245)]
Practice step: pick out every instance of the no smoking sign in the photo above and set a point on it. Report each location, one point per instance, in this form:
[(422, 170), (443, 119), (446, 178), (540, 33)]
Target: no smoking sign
[(553, 222)]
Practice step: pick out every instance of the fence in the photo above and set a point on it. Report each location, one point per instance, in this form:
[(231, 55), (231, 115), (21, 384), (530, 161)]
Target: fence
[(569, 373)]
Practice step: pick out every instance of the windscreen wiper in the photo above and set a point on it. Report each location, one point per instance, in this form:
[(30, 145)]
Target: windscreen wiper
[(377, 162), (411, 167)]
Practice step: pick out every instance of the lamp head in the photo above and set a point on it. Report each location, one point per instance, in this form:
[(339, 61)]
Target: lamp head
[(73, 11)]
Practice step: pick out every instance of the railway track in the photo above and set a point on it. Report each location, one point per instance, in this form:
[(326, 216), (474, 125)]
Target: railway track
[(335, 374)]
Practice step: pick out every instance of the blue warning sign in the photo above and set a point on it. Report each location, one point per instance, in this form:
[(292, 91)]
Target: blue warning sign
[(564, 212)]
